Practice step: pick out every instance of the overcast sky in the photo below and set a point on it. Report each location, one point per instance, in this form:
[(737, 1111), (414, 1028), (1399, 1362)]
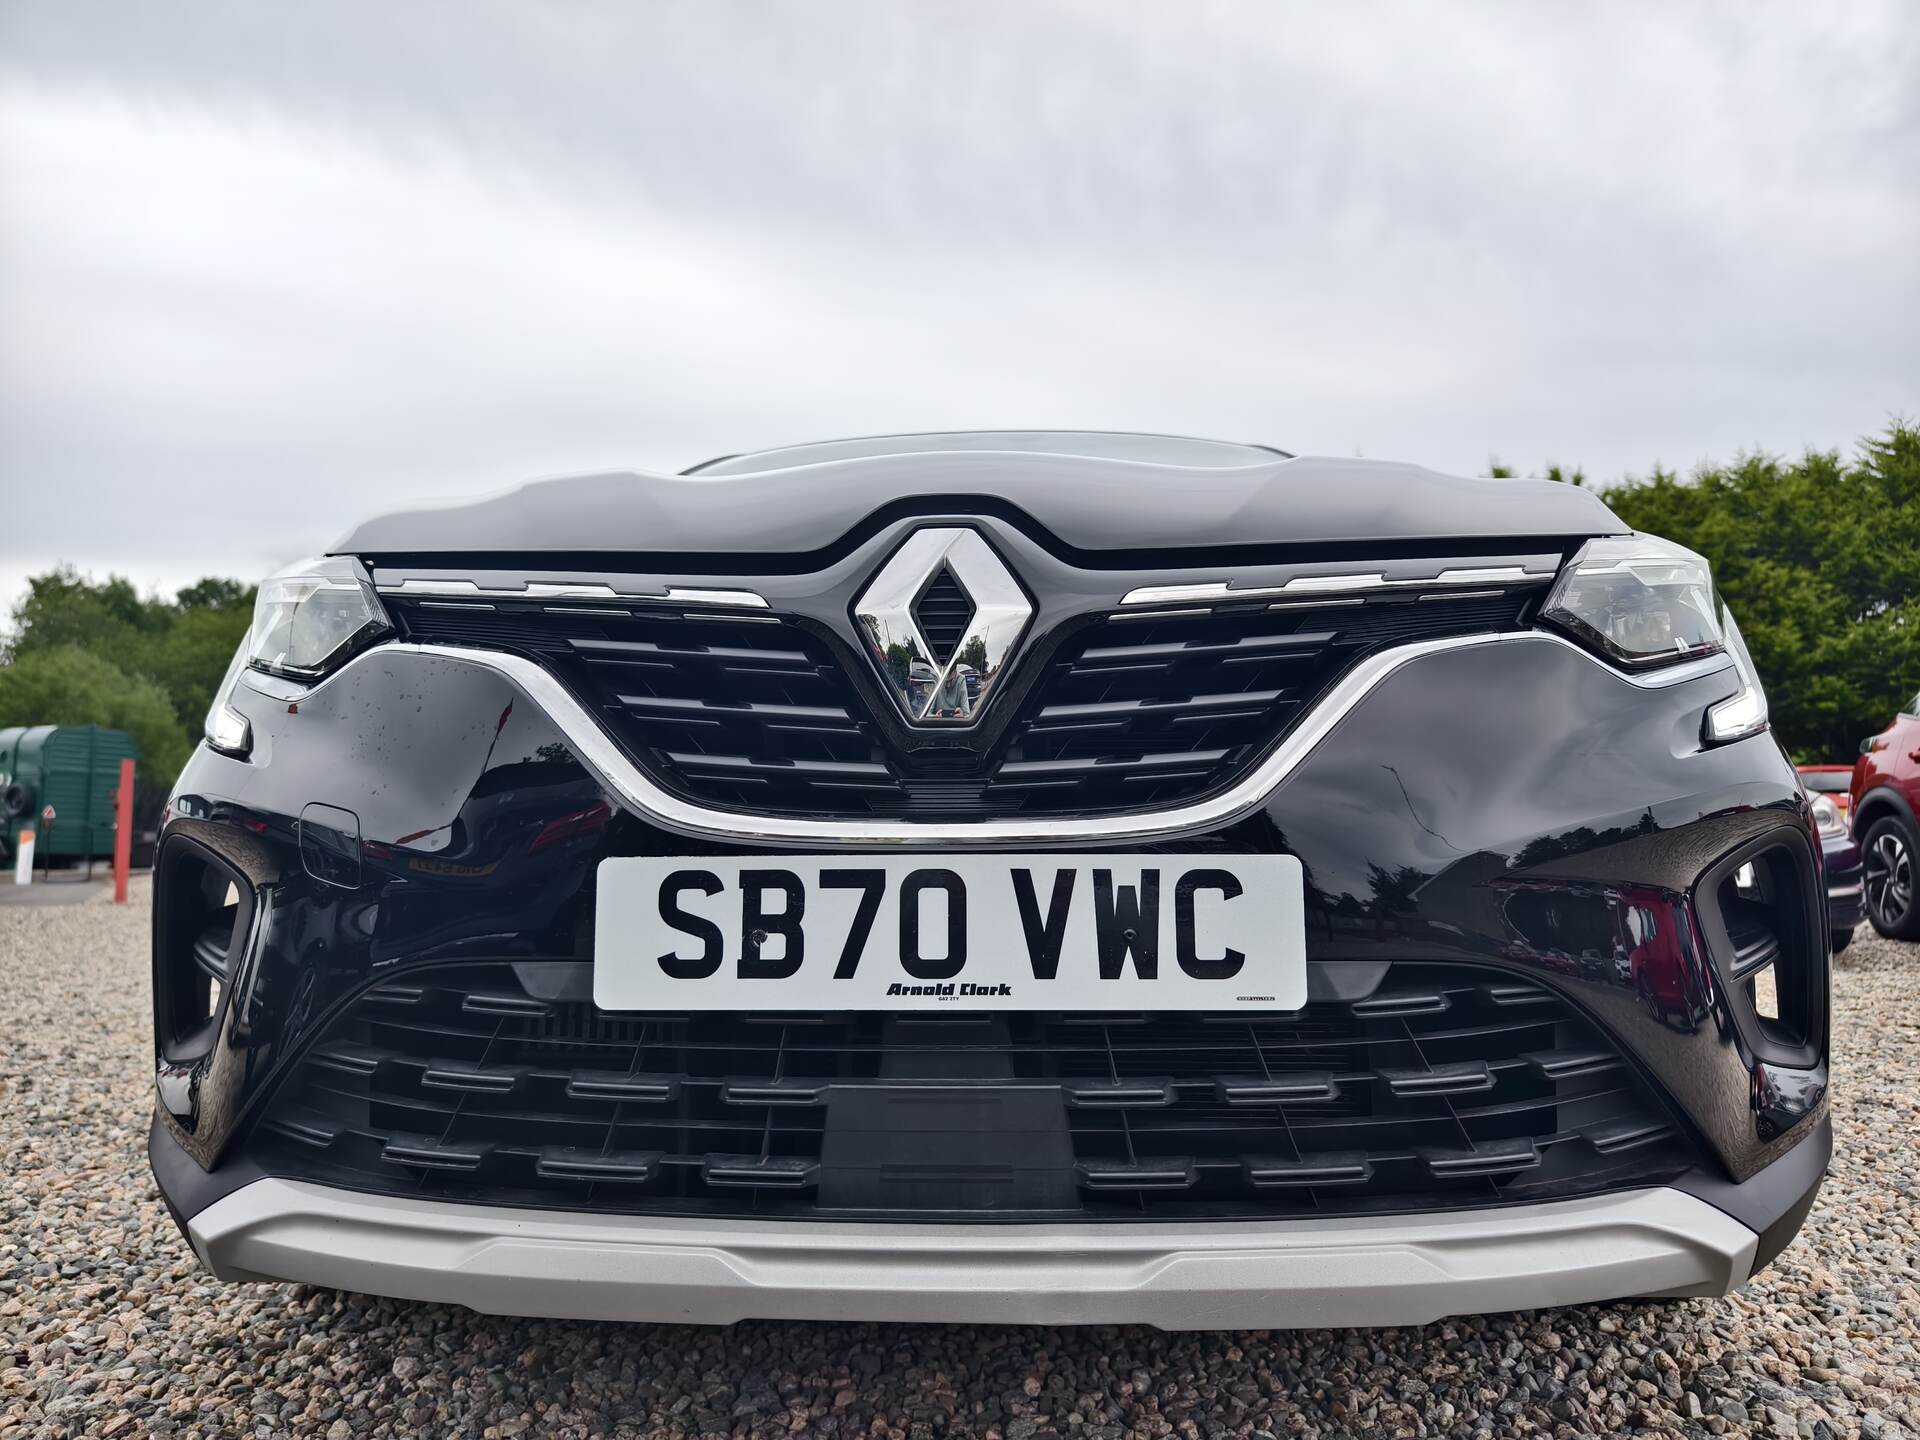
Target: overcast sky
[(265, 270)]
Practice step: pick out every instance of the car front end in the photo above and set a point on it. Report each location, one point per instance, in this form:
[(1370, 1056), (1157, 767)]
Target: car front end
[(1027, 878)]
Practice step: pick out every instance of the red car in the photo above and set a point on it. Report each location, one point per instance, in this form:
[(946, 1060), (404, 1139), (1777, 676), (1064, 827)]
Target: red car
[(1886, 801)]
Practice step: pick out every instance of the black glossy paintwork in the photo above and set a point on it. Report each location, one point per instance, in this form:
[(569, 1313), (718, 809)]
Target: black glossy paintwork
[(1089, 504), (1508, 805), (1514, 804)]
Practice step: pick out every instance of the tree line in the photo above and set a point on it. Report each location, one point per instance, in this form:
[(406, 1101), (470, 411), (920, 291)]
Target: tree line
[(1818, 557), (1819, 560), (87, 652)]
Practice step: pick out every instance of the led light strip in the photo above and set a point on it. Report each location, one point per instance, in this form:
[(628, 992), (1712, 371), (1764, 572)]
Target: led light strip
[(1328, 585)]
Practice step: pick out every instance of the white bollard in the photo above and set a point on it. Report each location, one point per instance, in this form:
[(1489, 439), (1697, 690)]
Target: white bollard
[(23, 859)]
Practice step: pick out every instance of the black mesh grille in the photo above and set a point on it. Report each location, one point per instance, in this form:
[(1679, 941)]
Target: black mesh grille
[(760, 713), (1444, 1087)]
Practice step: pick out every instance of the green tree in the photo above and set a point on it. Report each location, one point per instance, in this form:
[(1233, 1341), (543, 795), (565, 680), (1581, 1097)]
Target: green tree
[(65, 685), (180, 647), (1819, 561), (109, 617)]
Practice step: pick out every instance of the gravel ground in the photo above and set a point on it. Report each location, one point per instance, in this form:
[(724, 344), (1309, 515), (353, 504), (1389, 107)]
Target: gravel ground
[(107, 1326)]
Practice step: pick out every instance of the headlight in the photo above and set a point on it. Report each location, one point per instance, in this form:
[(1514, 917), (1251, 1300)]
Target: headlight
[(1640, 601), (309, 619), (1826, 818)]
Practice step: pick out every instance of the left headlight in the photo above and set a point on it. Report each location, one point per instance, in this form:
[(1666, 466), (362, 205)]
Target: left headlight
[(312, 617)]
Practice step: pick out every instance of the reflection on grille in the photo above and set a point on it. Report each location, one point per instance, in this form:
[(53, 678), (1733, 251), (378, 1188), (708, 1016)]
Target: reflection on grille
[(1129, 712), (1443, 1087)]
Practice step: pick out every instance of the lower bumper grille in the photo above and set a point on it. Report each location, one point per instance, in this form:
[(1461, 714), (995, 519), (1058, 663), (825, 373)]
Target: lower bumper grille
[(1443, 1087)]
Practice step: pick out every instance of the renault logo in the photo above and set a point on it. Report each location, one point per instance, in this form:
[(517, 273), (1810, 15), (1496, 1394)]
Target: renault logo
[(941, 621)]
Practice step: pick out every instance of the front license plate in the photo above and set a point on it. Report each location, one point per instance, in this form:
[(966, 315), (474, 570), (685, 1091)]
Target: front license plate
[(977, 931)]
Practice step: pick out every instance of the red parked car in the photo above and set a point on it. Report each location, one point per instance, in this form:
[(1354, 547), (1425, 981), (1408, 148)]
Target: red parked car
[(1886, 801)]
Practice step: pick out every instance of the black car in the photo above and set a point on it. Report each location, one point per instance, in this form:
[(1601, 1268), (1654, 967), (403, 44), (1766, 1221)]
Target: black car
[(1035, 877)]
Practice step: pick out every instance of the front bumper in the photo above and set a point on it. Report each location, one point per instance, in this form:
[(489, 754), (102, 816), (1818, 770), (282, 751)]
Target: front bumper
[(1699, 1236), (1403, 1270), (1532, 836)]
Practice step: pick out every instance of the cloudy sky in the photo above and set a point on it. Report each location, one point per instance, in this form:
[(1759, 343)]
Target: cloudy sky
[(265, 270)]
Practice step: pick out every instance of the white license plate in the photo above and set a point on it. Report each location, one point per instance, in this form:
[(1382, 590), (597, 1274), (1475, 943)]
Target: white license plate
[(975, 931)]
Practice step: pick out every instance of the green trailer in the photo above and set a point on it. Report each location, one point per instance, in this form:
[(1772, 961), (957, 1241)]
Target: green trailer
[(73, 768)]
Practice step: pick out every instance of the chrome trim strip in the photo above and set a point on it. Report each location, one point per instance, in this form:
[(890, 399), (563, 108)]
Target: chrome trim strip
[(597, 750), (1846, 892), (569, 590), (1330, 585), (744, 598), (1492, 575)]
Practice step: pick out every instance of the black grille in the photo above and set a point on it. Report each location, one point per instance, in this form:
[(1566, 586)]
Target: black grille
[(1155, 710), (943, 612), (1444, 1087), (1126, 712)]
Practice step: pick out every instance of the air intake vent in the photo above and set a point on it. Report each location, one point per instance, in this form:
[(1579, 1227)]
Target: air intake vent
[(1450, 1086), (1765, 925), (202, 916)]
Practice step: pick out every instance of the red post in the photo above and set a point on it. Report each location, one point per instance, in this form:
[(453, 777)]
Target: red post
[(123, 833)]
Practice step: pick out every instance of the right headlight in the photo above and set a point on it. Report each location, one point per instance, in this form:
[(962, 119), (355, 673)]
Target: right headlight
[(312, 617), (1643, 602), (1639, 600)]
